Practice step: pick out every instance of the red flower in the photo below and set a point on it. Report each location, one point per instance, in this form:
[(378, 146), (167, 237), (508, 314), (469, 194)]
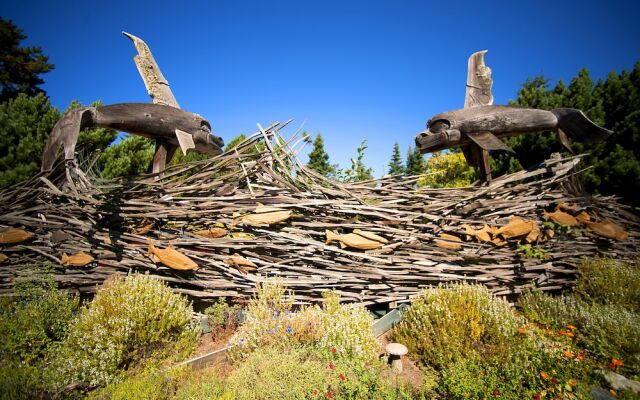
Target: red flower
[(342, 377), (366, 365), (334, 350), (554, 381), (495, 393), (537, 396), (331, 366), (329, 394)]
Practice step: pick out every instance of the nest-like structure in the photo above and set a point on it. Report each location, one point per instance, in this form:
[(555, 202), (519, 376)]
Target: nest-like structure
[(70, 213)]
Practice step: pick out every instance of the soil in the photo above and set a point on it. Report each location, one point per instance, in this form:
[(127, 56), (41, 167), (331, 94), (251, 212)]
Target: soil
[(411, 373)]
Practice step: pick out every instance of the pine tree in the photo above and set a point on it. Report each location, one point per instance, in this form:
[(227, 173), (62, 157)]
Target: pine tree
[(20, 67), (131, 156), (319, 159), (25, 123), (415, 162), (395, 165)]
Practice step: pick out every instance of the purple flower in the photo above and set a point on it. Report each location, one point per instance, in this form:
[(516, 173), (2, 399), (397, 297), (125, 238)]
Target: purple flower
[(289, 329)]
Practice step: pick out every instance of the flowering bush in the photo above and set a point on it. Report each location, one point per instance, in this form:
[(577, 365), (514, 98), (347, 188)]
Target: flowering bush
[(455, 321), (607, 330), (608, 281), (275, 373), (130, 319), (271, 322)]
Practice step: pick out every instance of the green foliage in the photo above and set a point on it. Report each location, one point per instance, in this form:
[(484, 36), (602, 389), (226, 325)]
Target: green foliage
[(395, 165), (614, 103), (415, 162), (453, 321), (20, 67), (607, 281), (131, 156), (271, 323), (358, 171), (447, 170), (609, 331), (319, 159), (31, 323), (222, 315), (529, 251), (273, 373), (25, 123), (128, 320)]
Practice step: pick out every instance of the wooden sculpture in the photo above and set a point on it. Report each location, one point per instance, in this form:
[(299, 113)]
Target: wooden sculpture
[(478, 127), (163, 120)]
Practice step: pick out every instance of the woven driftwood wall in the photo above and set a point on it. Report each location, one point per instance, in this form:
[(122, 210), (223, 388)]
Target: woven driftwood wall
[(106, 220)]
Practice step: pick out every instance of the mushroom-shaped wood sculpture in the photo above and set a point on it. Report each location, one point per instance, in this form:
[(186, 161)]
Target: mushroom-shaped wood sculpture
[(396, 351)]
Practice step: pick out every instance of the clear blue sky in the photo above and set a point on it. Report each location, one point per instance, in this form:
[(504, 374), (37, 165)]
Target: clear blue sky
[(350, 69)]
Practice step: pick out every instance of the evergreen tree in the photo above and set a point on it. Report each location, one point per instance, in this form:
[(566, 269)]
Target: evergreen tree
[(25, 123), (415, 162), (395, 165), (20, 67), (131, 156), (319, 159), (614, 103)]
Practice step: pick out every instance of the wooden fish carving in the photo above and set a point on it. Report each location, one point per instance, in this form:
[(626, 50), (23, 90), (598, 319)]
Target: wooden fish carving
[(482, 235), (357, 239), (265, 215), (448, 242), (211, 233), (516, 227), (14, 235), (241, 263), (80, 259), (141, 230), (607, 229), (561, 217), (171, 257), (3, 258)]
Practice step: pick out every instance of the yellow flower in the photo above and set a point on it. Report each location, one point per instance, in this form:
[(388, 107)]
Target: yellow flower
[(544, 375), (572, 382), (573, 328)]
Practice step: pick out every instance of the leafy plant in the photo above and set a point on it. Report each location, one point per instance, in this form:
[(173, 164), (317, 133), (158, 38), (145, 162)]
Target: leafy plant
[(532, 252), (270, 321), (222, 316), (607, 281), (129, 319), (274, 373), (453, 321), (31, 323)]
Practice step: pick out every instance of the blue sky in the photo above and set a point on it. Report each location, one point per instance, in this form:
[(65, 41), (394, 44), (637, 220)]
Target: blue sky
[(348, 69)]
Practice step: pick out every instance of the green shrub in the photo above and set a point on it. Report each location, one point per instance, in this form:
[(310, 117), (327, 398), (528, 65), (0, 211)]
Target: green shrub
[(222, 316), (609, 331), (274, 373), (608, 281), (31, 323), (128, 320), (270, 322), (454, 321)]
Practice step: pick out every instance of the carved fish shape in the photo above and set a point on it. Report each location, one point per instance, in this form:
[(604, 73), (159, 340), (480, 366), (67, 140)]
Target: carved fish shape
[(449, 242), (265, 215), (516, 227), (608, 230), (357, 239), (483, 235), (80, 259), (241, 263), (14, 235), (3, 258), (172, 258), (583, 217), (561, 218), (212, 233)]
